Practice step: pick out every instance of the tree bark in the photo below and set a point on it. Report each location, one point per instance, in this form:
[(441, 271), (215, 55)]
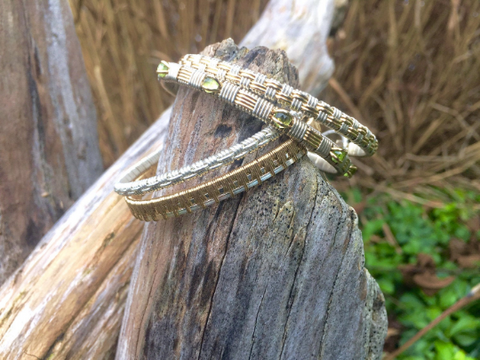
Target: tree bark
[(274, 274), (49, 146)]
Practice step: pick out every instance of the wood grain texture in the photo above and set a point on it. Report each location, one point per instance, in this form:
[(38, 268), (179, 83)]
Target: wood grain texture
[(66, 300), (277, 273), (49, 152)]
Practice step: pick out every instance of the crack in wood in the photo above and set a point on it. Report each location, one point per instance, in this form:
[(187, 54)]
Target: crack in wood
[(327, 314), (227, 243), (255, 325)]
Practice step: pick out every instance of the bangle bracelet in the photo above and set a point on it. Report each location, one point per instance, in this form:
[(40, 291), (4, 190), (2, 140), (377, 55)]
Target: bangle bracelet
[(220, 188), (127, 185), (364, 143), (289, 123), (294, 123)]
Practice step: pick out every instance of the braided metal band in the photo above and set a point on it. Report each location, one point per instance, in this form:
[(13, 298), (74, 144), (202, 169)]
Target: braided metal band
[(364, 142), (289, 123), (220, 188), (127, 185)]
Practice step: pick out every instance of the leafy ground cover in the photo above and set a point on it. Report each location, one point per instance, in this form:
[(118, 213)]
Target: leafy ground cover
[(425, 260)]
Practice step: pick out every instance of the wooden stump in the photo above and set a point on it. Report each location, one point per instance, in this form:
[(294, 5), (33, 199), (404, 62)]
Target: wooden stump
[(49, 152), (277, 273)]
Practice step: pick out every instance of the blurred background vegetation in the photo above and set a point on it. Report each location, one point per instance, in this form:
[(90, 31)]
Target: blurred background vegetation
[(124, 40), (409, 69)]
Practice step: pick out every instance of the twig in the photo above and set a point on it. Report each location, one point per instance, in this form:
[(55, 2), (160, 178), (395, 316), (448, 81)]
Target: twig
[(391, 238), (473, 295)]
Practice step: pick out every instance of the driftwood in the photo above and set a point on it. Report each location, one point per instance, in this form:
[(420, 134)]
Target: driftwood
[(301, 29), (276, 273), (78, 275), (67, 299), (48, 139)]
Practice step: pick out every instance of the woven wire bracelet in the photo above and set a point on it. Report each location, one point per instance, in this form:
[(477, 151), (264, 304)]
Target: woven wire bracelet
[(333, 159), (362, 141), (129, 186), (220, 188)]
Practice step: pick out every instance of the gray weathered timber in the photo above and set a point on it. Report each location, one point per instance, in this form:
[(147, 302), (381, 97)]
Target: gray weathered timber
[(66, 300), (302, 28), (49, 153), (277, 273)]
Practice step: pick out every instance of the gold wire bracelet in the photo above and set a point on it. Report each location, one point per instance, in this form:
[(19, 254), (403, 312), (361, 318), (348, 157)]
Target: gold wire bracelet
[(220, 188), (363, 141), (331, 157)]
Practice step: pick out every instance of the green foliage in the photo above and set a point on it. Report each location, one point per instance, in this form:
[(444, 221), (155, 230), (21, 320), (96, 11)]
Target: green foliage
[(419, 230)]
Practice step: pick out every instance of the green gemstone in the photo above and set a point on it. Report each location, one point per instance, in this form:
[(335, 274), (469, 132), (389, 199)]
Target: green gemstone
[(162, 70), (339, 156), (353, 169), (210, 85), (282, 118)]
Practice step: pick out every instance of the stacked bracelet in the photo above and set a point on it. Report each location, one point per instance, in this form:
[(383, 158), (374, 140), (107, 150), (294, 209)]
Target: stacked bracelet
[(128, 186), (364, 143), (286, 110), (220, 188), (288, 122)]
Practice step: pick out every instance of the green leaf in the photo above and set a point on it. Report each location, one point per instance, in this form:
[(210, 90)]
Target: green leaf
[(386, 285), (357, 195), (412, 301), (463, 233), (445, 351), (433, 312), (371, 228), (465, 339), (448, 298), (465, 323), (459, 355)]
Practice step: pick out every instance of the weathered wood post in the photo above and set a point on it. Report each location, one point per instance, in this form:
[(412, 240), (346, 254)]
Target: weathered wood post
[(66, 301), (49, 152), (274, 274)]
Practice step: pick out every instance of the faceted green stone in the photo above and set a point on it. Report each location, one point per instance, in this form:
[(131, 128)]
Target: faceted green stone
[(353, 169), (162, 70), (339, 156), (210, 85), (282, 118)]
